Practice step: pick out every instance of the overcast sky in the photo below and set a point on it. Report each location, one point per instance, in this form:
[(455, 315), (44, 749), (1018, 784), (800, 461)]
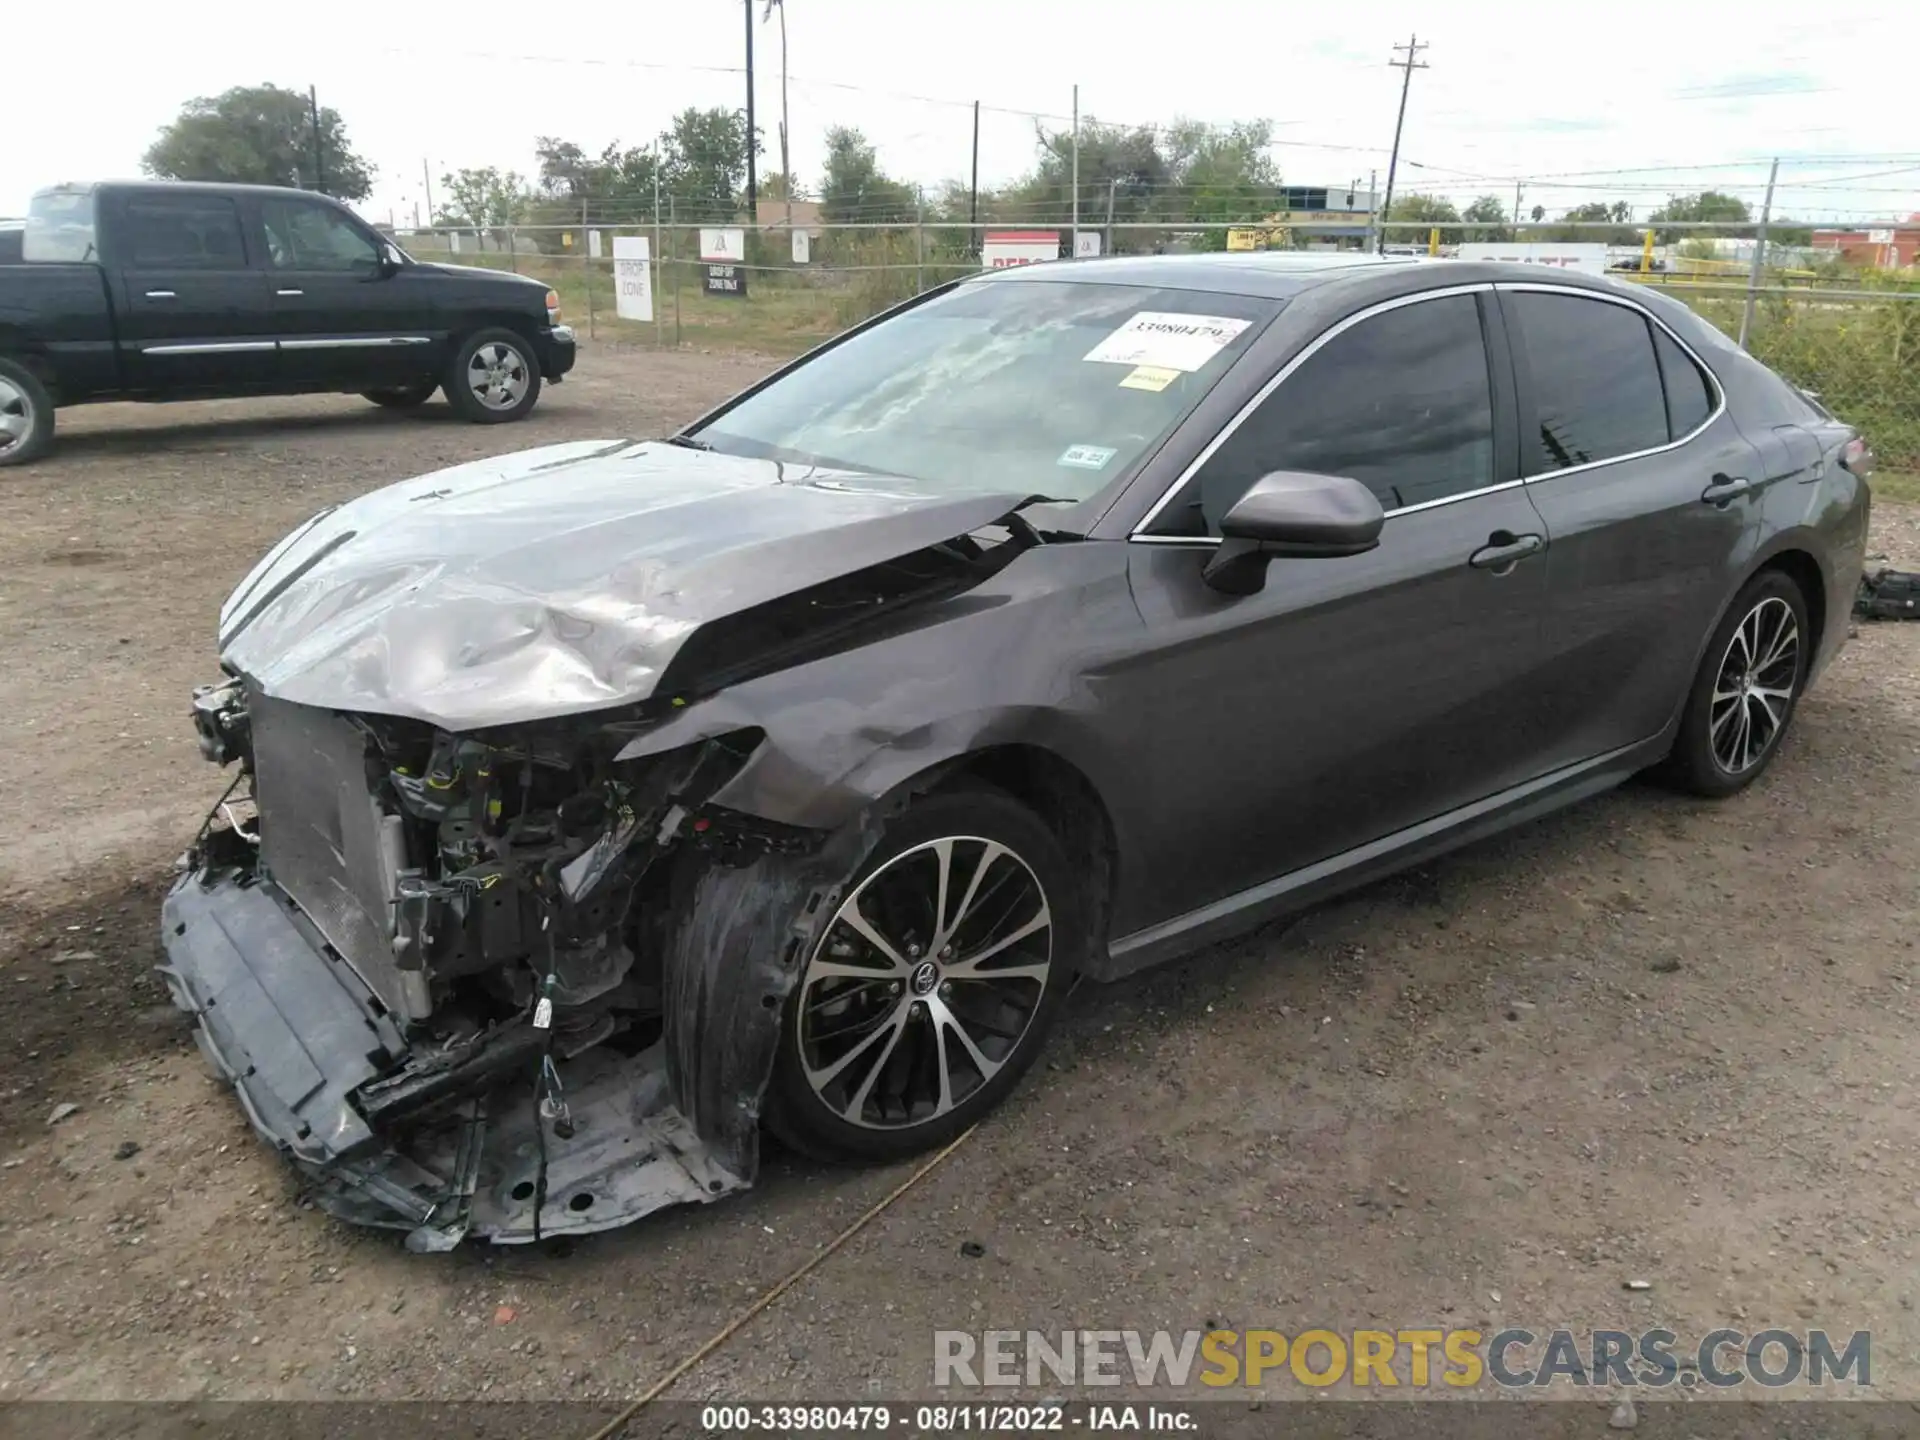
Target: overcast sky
[(1547, 94)]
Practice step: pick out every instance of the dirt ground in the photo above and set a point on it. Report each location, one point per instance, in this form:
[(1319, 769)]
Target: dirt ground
[(1649, 1039)]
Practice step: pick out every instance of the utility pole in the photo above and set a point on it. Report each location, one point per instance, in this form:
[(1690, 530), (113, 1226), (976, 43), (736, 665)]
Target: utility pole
[(1759, 254), (1516, 209), (786, 170), (1373, 208), (753, 184), (973, 204), (319, 165), (1076, 168), (1413, 62), (427, 180), (1106, 248)]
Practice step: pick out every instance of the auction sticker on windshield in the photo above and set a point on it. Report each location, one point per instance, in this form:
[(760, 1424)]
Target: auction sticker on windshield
[(1174, 342), (1148, 377), (1086, 457)]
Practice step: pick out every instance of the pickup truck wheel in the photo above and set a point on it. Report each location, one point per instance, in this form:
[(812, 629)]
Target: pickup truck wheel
[(494, 377), (404, 397), (26, 415)]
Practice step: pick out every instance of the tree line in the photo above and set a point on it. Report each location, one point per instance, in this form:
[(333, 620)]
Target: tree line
[(1187, 172)]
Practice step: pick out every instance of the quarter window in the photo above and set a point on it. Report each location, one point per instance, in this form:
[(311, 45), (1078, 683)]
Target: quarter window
[(1689, 399), (1401, 402), (184, 232), (1596, 385)]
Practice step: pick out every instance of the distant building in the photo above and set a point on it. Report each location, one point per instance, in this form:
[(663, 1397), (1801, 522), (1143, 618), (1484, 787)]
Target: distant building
[(806, 214), (1891, 246)]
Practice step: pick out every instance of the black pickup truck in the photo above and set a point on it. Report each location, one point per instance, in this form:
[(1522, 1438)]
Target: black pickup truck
[(169, 291)]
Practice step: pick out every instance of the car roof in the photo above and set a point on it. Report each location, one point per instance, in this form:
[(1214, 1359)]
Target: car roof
[(1274, 274), (177, 187)]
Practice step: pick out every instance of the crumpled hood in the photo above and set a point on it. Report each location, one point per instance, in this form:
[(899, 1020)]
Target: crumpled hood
[(556, 580)]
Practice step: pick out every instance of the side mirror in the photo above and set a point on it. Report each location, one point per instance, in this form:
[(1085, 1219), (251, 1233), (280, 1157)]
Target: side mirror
[(390, 261), (1292, 514)]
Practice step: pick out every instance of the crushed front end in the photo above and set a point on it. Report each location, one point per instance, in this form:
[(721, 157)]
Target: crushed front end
[(437, 968)]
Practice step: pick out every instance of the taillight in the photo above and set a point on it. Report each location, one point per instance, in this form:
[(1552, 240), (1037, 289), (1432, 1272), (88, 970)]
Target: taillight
[(1858, 458)]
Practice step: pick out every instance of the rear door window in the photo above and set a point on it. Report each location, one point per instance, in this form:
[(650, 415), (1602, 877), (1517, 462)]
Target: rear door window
[(183, 232), (1594, 379)]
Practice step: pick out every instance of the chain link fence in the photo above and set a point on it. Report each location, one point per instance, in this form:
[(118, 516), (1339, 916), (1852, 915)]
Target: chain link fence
[(1846, 333)]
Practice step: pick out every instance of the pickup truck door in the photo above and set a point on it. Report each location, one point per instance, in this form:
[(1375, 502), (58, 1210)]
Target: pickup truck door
[(193, 313), (343, 321)]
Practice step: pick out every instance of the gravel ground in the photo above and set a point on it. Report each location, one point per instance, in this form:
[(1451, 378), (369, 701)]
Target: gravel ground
[(1650, 1038)]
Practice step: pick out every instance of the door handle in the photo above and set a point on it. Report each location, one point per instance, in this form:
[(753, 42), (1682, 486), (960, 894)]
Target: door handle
[(289, 292), (1504, 550), (1725, 489), (159, 294)]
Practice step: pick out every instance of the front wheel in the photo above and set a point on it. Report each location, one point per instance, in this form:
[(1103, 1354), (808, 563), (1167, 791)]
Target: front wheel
[(931, 989), (493, 378), (1744, 695), (26, 415)]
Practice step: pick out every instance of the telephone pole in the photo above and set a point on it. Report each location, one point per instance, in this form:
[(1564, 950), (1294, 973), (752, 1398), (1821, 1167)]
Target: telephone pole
[(1413, 62), (753, 186), (319, 163)]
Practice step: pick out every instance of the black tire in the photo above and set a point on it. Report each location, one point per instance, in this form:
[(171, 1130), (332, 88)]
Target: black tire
[(1709, 757), (403, 397), (798, 1113), (515, 365), (26, 415)]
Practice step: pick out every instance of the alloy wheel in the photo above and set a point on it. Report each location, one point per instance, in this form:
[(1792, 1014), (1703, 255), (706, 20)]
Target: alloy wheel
[(925, 982), (1753, 687), (497, 375), (16, 416)]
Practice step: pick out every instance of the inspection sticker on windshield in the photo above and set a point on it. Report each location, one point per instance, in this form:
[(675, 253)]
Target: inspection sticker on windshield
[(1148, 377), (1086, 457), (1175, 342)]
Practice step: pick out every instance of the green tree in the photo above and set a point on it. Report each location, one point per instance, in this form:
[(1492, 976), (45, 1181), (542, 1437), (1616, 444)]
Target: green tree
[(259, 135), (853, 187), (1709, 206), (614, 188), (1487, 212), (483, 200), (1594, 212), (1420, 214), (706, 163)]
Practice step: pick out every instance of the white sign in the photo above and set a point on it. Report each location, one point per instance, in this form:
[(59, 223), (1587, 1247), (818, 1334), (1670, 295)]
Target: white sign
[(728, 246), (1001, 248), (1880, 237), (1168, 341), (453, 242), (802, 247), (633, 277), (1086, 244), (593, 244), (1588, 259)]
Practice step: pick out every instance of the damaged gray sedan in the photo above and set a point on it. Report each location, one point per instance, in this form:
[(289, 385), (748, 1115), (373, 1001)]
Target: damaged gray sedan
[(598, 807)]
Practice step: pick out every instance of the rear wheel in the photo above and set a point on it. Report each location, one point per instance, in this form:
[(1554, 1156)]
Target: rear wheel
[(932, 987), (1744, 695), (26, 415), (493, 378), (403, 397)]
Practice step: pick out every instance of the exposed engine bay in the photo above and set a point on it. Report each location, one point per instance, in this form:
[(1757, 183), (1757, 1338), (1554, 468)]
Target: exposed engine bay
[(527, 979)]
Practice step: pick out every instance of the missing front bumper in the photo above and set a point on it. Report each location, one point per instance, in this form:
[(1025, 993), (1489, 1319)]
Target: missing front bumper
[(288, 1023)]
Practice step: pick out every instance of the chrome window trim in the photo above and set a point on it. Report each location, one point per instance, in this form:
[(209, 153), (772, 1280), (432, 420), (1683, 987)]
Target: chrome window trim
[(1280, 378), (1627, 302)]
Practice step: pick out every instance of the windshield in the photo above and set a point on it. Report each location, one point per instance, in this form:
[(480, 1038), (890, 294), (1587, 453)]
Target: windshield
[(1052, 387)]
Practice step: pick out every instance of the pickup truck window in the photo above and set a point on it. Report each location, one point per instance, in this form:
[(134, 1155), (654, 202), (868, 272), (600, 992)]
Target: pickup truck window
[(183, 232), (306, 236), (59, 228)]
